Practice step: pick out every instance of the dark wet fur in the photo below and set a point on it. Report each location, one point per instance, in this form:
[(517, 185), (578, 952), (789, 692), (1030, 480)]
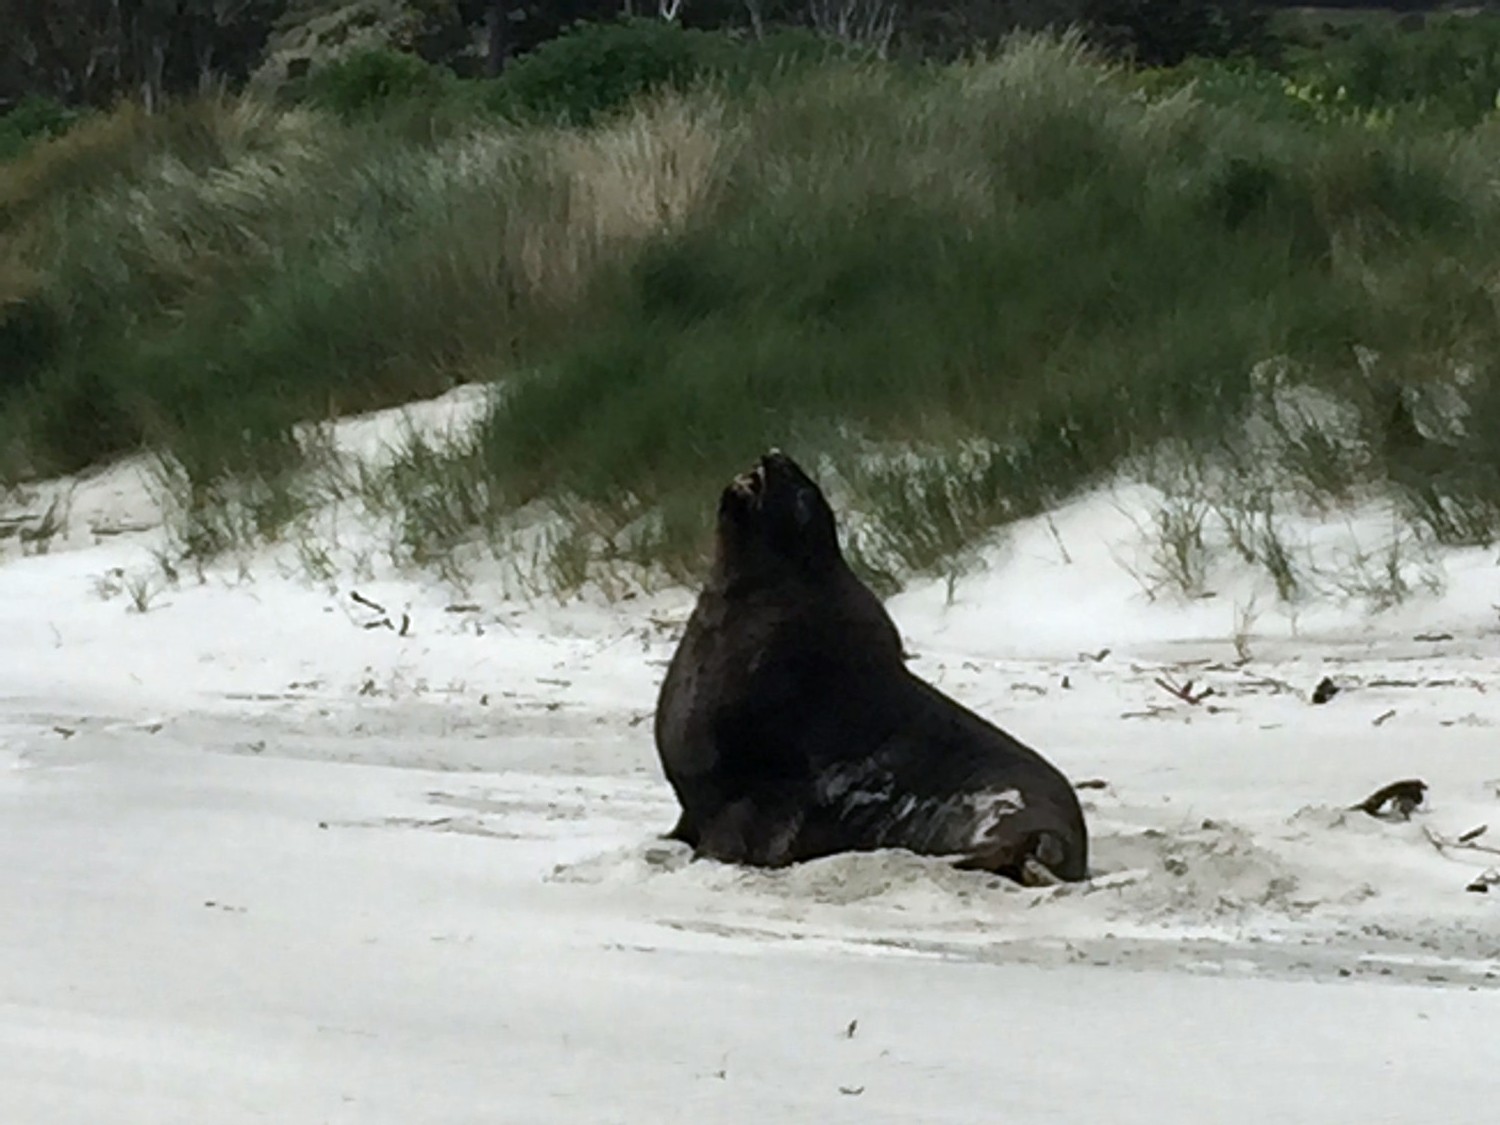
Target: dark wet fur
[(790, 727)]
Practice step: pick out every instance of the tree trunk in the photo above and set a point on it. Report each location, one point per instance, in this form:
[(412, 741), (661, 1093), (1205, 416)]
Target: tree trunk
[(153, 85), (497, 42)]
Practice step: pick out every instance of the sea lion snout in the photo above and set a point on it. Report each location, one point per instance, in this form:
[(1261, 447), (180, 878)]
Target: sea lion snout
[(753, 484), (750, 485), (776, 464)]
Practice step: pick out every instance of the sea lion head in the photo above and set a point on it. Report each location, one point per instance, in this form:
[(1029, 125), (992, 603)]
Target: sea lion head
[(775, 522)]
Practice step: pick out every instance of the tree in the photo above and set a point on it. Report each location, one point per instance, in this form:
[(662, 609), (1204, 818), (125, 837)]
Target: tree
[(93, 51), (1165, 32), (860, 23), (950, 28)]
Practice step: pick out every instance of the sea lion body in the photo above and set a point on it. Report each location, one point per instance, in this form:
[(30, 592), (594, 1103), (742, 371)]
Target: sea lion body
[(790, 727)]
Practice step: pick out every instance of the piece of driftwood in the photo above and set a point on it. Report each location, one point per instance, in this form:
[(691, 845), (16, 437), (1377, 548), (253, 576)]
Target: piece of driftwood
[(1465, 843), (1183, 692), (356, 596), (1402, 797), (384, 620), (1481, 883)]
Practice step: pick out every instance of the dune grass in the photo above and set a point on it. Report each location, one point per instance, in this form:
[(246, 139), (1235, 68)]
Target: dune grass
[(962, 293), (972, 294)]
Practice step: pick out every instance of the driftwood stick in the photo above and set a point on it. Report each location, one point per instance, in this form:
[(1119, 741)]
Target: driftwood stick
[(1403, 796), (366, 602), (1444, 845), (1183, 692)]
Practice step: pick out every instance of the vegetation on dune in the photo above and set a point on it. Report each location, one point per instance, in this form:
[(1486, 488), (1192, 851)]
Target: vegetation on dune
[(1021, 270), (972, 287)]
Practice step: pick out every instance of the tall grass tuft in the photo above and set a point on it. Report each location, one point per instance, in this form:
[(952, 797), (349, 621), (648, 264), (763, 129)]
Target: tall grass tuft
[(210, 297)]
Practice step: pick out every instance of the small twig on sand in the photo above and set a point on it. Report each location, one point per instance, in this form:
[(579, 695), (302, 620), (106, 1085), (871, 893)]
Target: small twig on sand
[(1275, 685), (1381, 719), (384, 620), (366, 602), (1473, 833), (1183, 692), (1402, 796), (1061, 547), (1091, 783), (1152, 711)]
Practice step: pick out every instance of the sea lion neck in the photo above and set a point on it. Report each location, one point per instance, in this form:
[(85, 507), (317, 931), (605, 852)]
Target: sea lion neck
[(739, 573)]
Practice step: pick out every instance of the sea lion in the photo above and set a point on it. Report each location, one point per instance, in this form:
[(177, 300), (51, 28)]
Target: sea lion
[(790, 727)]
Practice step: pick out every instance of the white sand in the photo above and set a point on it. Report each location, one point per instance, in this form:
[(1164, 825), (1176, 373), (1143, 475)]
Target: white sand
[(265, 864)]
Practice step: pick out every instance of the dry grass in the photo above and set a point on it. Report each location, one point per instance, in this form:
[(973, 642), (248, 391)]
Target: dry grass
[(639, 177)]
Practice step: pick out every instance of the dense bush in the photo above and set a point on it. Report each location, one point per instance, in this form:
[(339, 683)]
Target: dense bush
[(1166, 32), (372, 80), (1240, 85), (595, 69), (585, 75), (1444, 70), (33, 119)]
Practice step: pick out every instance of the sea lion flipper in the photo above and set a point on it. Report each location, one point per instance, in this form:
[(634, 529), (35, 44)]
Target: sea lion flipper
[(1039, 859), (760, 832), (684, 831)]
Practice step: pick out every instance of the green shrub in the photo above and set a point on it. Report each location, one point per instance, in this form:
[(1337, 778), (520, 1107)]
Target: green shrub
[(1242, 85), (1446, 71), (1167, 32), (32, 119), (597, 69), (782, 55), (373, 80)]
